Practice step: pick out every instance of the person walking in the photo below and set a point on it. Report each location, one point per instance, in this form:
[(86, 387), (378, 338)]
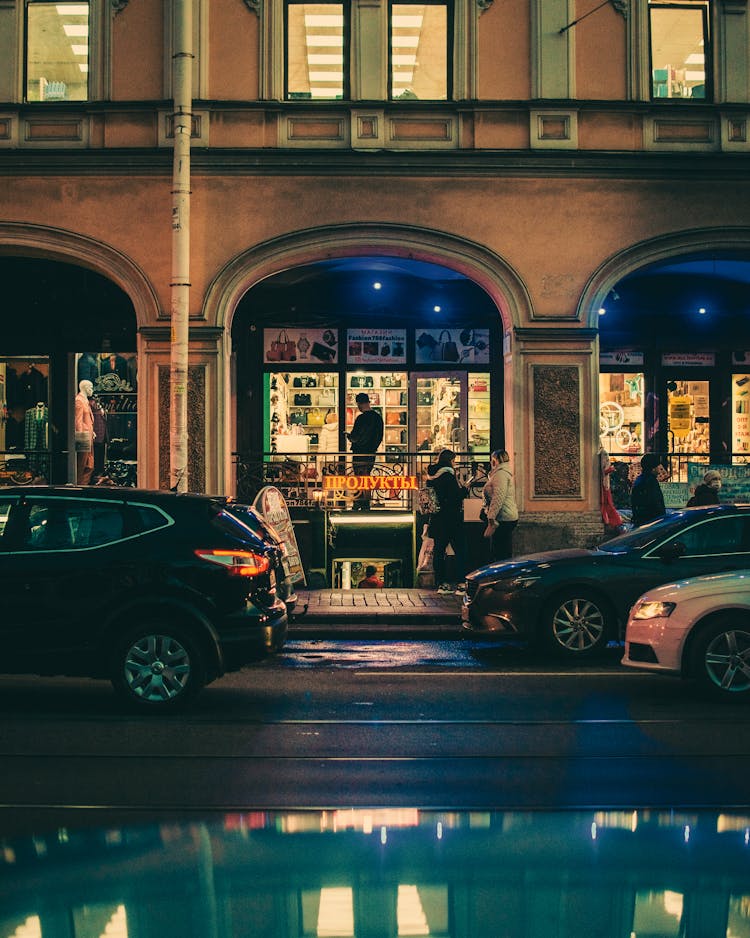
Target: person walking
[(500, 507), (646, 498), (707, 493), (365, 437), (446, 524)]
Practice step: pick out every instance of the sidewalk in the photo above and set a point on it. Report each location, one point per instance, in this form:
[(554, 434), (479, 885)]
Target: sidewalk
[(384, 611)]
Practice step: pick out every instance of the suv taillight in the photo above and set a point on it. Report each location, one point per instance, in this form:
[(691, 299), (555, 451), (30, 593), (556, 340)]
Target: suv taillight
[(237, 562)]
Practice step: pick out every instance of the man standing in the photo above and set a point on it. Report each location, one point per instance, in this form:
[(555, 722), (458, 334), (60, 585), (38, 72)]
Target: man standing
[(646, 498), (365, 437)]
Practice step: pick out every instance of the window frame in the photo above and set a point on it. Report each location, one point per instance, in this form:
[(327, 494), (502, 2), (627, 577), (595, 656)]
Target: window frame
[(705, 6), (449, 48), (346, 51)]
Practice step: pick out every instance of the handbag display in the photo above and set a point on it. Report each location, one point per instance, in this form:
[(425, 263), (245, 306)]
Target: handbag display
[(424, 398), (298, 417), (302, 400), (283, 349), (446, 349), (315, 417)]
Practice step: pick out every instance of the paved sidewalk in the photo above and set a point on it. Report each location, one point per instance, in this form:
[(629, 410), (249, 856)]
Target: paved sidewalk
[(384, 610)]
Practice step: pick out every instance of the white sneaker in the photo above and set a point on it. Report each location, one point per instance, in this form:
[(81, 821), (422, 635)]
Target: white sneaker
[(460, 589), (445, 589)]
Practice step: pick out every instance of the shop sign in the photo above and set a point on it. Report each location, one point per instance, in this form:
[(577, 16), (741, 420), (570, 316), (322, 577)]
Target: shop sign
[(675, 494), (370, 483), (273, 507), (376, 346), (453, 346), (689, 359), (621, 357), (300, 346)]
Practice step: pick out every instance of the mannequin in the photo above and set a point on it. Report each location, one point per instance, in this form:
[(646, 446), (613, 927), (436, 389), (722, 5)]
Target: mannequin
[(84, 433)]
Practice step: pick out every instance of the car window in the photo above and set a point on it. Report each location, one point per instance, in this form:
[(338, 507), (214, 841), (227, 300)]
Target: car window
[(145, 518), (59, 524), (5, 506), (728, 535)]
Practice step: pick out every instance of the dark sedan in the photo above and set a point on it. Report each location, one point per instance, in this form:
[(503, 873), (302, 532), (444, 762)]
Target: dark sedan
[(575, 601)]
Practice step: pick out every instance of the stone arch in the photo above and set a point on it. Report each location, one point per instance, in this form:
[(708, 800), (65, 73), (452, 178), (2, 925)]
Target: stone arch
[(58, 244), (485, 268), (664, 247)]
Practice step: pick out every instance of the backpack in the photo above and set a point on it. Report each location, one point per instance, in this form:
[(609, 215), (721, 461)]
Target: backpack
[(427, 500)]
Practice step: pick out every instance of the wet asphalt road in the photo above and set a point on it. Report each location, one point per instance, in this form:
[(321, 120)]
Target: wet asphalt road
[(337, 723)]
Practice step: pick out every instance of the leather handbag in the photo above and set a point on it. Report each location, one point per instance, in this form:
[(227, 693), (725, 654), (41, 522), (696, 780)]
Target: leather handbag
[(302, 400), (315, 417), (446, 350), (283, 349), (298, 417)]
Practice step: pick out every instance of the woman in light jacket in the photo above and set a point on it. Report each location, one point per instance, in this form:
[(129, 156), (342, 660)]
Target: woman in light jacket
[(328, 442), (499, 496)]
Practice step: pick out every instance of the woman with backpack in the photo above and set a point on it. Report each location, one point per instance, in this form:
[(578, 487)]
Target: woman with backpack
[(446, 523)]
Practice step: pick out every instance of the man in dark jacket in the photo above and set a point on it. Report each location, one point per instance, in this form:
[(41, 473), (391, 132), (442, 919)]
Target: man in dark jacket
[(365, 437), (646, 498)]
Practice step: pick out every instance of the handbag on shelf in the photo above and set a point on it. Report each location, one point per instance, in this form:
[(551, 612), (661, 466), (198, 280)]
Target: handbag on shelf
[(298, 417), (297, 383), (446, 349), (302, 400), (315, 417)]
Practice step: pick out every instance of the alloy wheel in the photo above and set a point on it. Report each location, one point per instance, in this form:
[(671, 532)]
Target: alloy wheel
[(578, 625), (727, 660), (157, 668)]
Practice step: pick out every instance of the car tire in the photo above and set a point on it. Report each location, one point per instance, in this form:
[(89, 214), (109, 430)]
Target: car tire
[(158, 667), (576, 624), (721, 657)]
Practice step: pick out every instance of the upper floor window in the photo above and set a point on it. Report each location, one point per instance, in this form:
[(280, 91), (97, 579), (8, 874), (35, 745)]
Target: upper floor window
[(680, 50), (337, 50), (316, 50), (57, 51), (420, 50)]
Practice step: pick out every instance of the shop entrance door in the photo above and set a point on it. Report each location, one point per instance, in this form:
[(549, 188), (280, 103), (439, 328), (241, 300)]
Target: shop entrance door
[(452, 411), (688, 419)]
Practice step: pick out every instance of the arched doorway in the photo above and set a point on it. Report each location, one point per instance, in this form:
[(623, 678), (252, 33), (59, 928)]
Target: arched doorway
[(65, 322), (422, 340), (674, 366)]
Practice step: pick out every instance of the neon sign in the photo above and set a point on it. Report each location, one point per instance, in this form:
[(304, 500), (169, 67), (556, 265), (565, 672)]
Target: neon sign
[(370, 483)]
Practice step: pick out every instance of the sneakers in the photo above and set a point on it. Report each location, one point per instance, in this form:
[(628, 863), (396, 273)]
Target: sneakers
[(445, 589), (460, 589)]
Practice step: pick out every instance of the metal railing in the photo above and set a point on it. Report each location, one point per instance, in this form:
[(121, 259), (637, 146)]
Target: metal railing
[(327, 480)]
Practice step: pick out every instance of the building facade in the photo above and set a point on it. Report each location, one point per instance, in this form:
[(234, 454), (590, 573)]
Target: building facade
[(536, 163)]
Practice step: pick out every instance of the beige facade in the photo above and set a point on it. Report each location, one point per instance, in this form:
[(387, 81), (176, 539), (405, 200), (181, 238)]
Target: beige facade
[(547, 175)]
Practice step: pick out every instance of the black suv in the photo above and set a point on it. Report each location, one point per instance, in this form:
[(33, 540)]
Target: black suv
[(160, 592)]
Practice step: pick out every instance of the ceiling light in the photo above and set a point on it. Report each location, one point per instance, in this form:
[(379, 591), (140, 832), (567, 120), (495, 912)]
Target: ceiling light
[(702, 310), (377, 285), (436, 309), (602, 310)]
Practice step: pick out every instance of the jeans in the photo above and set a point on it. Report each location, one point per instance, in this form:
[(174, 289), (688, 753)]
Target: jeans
[(501, 542), (443, 537)]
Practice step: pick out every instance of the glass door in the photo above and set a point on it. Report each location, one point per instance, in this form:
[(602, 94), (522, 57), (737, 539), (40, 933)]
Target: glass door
[(439, 403), (688, 417)]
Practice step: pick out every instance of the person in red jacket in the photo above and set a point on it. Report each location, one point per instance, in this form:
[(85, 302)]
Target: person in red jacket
[(371, 581)]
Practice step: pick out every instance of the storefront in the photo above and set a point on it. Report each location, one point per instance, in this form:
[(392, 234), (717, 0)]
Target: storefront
[(41, 370), (436, 384)]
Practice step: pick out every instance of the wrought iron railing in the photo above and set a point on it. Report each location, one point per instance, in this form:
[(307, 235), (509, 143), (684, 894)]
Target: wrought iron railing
[(327, 480)]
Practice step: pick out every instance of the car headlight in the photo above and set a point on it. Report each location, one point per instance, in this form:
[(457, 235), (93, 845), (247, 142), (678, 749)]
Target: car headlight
[(653, 610), (514, 583)]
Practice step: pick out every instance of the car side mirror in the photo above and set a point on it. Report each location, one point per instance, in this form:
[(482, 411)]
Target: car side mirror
[(671, 551)]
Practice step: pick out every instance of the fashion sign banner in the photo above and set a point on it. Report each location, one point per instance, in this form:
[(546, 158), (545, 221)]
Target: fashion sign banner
[(300, 346), (453, 346), (376, 346)]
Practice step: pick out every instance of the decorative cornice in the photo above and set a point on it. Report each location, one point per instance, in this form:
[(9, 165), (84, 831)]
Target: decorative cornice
[(119, 5), (621, 6), (484, 5), (253, 6)]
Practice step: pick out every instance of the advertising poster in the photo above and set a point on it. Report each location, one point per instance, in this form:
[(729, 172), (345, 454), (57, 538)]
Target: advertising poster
[(272, 506), (301, 346), (453, 346), (376, 346)]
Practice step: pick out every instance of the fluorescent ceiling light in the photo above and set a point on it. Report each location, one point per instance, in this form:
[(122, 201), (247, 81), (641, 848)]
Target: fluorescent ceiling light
[(404, 60), (326, 76), (84, 67), (403, 78), (72, 9), (410, 914), (73, 29), (313, 39), (322, 59), (327, 20), (696, 58), (80, 50), (406, 22), (412, 41), (336, 912)]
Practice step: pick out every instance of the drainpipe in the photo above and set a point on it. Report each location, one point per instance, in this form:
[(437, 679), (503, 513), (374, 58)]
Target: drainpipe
[(182, 75)]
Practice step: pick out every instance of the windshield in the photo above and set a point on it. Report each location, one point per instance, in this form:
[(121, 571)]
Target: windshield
[(646, 534)]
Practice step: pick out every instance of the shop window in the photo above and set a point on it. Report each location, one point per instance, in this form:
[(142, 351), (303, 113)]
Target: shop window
[(57, 51), (688, 422), (315, 50), (389, 396), (419, 50), (24, 420), (621, 412), (741, 418), (680, 50)]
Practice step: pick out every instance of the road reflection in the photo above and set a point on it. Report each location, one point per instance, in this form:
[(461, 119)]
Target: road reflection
[(377, 873)]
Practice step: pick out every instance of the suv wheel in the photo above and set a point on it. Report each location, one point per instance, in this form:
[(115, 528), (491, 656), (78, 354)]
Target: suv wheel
[(722, 656), (157, 666), (576, 624)]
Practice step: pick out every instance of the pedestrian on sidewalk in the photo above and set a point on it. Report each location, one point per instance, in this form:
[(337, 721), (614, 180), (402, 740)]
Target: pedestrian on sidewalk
[(646, 497), (500, 509), (447, 523)]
